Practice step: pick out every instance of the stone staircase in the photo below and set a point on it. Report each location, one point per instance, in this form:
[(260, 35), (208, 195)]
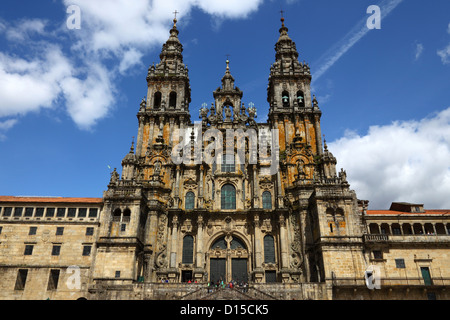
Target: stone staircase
[(208, 293)]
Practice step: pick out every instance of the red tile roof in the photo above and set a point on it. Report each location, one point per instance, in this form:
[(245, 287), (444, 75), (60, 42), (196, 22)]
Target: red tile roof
[(392, 212), (12, 199)]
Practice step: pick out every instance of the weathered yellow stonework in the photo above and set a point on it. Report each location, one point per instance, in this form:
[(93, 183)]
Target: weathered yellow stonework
[(283, 223)]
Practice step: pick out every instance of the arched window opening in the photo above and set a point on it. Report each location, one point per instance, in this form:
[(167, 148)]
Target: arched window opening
[(189, 201), (267, 200), (285, 98), (157, 100), (407, 228), (396, 230), (173, 99), (385, 228), (220, 244), (237, 243), (269, 249), (188, 250), (228, 197), (126, 215), (116, 215), (301, 99)]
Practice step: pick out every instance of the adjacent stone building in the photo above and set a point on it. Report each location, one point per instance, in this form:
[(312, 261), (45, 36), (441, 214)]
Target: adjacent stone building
[(224, 199)]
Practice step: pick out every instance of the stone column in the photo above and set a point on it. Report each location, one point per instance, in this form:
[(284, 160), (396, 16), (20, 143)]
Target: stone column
[(318, 134), (258, 250), (200, 242), (151, 131), (177, 188), (283, 242), (173, 253), (140, 136), (255, 188)]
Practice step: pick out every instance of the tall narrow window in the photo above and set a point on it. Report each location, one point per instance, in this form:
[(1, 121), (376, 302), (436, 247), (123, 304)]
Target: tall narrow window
[(190, 201), (228, 197), (173, 99), (157, 100), (21, 279), (188, 250), (267, 200), (53, 280), (285, 99), (300, 99), (269, 249)]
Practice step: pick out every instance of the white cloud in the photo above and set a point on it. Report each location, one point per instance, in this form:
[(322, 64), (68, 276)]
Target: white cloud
[(24, 29), (445, 53), (89, 99), (130, 58), (29, 85), (418, 51), (404, 161), (113, 33), (5, 126)]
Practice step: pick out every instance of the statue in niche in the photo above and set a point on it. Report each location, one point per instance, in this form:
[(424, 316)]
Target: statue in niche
[(227, 113)]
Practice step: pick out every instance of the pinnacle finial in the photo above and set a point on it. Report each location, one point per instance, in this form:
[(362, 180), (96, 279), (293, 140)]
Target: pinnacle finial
[(175, 19)]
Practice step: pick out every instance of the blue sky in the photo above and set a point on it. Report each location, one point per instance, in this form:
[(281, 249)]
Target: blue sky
[(69, 98)]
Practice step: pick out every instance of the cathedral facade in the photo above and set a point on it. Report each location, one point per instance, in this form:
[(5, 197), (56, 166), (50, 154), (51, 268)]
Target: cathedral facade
[(227, 199)]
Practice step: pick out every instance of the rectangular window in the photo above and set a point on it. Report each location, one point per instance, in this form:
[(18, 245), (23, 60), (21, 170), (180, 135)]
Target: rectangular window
[(1, 230), (93, 212), (117, 274), (82, 213), (56, 250), (39, 212), (59, 231), (28, 250), (72, 212), (50, 212), (377, 254), (7, 212), (32, 231), (426, 276), (18, 211), (21, 279), (400, 263), (29, 212), (89, 231), (123, 227), (87, 250), (53, 280), (61, 212)]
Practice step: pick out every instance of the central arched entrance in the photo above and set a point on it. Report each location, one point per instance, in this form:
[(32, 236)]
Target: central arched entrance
[(228, 260)]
